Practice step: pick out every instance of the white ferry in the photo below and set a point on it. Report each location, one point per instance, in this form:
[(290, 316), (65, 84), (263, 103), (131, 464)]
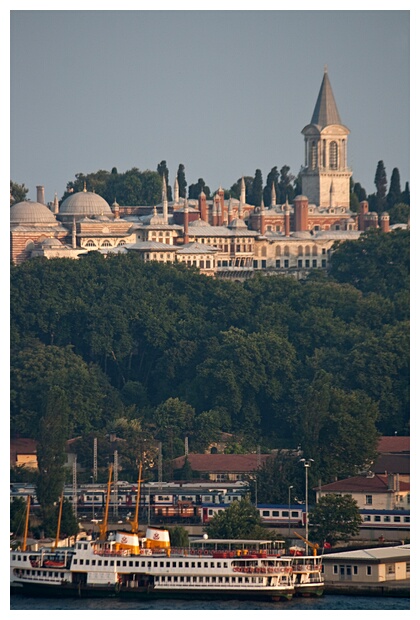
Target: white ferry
[(126, 566)]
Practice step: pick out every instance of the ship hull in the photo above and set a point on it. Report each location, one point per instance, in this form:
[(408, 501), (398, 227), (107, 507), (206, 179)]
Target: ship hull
[(86, 591)]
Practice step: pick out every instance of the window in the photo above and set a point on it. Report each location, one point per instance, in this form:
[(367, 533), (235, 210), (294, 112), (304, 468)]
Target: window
[(300, 263), (314, 263), (286, 264), (295, 513), (266, 513), (333, 156), (90, 244), (106, 244), (335, 569), (278, 265), (377, 518), (368, 500), (307, 263), (368, 570), (324, 262), (355, 570)]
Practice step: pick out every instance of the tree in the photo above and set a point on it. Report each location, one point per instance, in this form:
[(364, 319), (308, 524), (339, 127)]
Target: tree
[(182, 182), (394, 193), (405, 196), (360, 192), (272, 177), (18, 192), (51, 450), (257, 189), (235, 190), (381, 185), (179, 536), (374, 263), (163, 171), (240, 520), (399, 213), (285, 186), (195, 189), (334, 518), (274, 478), (17, 516)]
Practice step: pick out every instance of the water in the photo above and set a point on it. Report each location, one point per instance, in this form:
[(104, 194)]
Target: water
[(327, 602)]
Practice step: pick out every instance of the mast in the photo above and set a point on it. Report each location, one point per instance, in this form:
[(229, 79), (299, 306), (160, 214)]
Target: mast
[(60, 512), (135, 522), (25, 533), (103, 526)]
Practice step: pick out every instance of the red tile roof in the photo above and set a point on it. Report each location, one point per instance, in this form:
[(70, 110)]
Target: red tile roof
[(241, 463), (376, 483), (394, 444), (21, 446)]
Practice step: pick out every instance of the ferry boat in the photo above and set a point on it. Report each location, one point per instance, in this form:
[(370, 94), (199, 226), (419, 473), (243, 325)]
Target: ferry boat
[(125, 566)]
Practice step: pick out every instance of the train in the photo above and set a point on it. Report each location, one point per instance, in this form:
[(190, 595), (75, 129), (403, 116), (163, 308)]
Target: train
[(194, 503)]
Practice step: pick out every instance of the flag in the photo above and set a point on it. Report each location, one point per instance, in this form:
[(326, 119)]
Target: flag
[(327, 545)]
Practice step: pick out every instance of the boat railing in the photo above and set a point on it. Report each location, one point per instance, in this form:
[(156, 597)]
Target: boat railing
[(264, 570)]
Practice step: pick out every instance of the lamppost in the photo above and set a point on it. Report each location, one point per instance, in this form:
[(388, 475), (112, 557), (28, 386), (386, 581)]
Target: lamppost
[(290, 488), (306, 464)]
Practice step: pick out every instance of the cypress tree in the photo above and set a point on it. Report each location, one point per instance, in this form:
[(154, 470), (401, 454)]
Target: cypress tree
[(394, 194), (182, 182), (381, 185), (257, 188)]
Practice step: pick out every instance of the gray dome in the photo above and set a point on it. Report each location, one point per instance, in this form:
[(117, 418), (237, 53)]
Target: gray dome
[(85, 204), (28, 212), (237, 223), (51, 243)]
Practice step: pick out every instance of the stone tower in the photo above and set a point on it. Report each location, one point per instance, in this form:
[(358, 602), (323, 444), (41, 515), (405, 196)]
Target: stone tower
[(326, 176)]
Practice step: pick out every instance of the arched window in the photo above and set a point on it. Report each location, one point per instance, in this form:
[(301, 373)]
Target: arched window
[(90, 244), (264, 251), (300, 250), (314, 250), (278, 250), (314, 158), (121, 242), (106, 244), (286, 250), (307, 250), (333, 155)]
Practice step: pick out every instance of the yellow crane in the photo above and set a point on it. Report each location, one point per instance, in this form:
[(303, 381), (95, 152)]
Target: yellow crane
[(104, 525), (135, 521), (314, 546)]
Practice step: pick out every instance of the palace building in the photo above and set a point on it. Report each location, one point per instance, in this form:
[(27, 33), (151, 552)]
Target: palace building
[(222, 238)]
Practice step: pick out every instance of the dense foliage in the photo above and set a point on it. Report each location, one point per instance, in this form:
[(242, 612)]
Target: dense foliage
[(335, 519), (155, 351)]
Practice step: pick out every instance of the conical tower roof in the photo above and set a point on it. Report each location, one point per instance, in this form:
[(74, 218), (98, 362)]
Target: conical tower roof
[(325, 112)]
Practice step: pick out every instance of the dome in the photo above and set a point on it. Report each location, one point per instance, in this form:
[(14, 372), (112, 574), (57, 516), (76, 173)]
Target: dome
[(84, 204), (237, 223), (28, 212), (51, 243)]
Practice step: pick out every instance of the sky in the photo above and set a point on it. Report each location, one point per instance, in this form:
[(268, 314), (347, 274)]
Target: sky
[(224, 92)]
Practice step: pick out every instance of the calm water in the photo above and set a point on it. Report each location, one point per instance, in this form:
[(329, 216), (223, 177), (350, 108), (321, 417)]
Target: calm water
[(328, 602)]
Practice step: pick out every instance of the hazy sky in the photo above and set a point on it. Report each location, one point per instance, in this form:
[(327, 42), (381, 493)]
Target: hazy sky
[(223, 92)]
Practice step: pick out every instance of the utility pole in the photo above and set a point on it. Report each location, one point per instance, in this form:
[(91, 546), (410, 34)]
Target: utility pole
[(95, 460), (306, 464), (160, 465), (75, 486)]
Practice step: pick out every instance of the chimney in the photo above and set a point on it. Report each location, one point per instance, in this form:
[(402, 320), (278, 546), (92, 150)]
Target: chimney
[(262, 217), (186, 238), (301, 213), (40, 195), (55, 205), (202, 205), (287, 219), (385, 222)]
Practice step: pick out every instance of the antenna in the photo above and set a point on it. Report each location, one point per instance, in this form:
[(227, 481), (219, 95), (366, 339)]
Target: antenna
[(116, 482)]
